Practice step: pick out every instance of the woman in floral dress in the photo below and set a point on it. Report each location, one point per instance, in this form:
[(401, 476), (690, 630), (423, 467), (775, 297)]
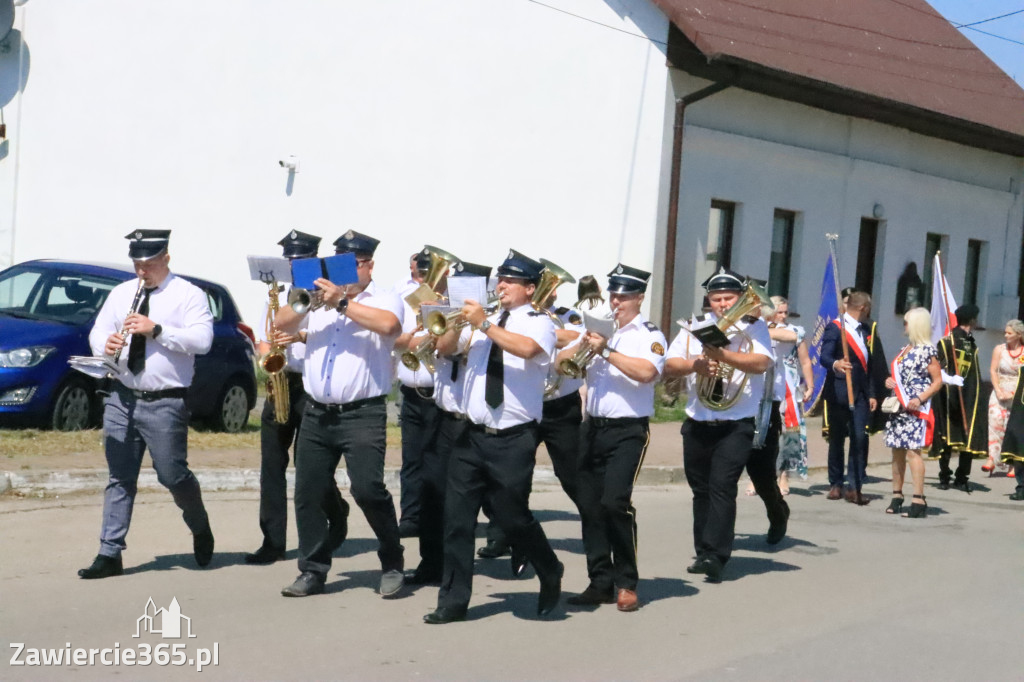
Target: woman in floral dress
[(915, 379), (1007, 359), (793, 350)]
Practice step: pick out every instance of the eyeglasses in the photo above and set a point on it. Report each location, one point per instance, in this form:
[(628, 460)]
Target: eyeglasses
[(360, 262)]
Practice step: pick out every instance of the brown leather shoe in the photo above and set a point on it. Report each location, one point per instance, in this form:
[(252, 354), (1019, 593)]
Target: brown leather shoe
[(855, 497), (834, 493), (627, 600)]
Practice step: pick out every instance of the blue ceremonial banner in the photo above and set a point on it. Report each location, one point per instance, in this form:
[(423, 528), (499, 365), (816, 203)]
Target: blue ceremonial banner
[(827, 312)]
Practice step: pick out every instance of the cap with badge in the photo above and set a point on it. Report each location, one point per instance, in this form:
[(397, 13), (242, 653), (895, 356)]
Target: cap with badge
[(627, 280), (724, 280), (147, 244), (355, 242), (464, 269), (518, 266), (300, 245)]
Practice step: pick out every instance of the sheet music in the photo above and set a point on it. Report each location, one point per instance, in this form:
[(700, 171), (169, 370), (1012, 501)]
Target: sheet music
[(269, 268), (600, 324), (460, 289)]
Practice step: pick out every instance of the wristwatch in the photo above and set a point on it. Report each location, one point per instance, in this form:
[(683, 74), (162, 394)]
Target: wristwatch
[(156, 330), (606, 352), (342, 305), (485, 326)]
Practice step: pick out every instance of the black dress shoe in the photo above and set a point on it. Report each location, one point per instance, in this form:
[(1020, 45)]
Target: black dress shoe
[(337, 529), (264, 555), (308, 583), (102, 567), (423, 576), (519, 563), (592, 596), (492, 550), (962, 486), (709, 566), (202, 547), (778, 525), (1017, 496), (550, 591), (445, 614), (943, 485)]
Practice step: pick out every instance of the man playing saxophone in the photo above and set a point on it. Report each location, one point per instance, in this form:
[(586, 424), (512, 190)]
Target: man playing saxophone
[(726, 385), (278, 432)]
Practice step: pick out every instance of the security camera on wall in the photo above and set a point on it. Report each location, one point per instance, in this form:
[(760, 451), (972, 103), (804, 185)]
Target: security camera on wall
[(290, 163)]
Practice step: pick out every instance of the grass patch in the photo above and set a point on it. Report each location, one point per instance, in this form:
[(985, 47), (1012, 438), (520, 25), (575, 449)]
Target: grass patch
[(669, 403)]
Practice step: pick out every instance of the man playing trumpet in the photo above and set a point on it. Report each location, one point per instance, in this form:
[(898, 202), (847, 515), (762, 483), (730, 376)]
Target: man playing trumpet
[(614, 438)]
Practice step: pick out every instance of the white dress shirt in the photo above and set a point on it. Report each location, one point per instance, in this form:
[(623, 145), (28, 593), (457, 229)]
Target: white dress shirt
[(610, 393), (450, 395), (571, 321), (686, 346), (344, 360), (524, 379), (183, 312)]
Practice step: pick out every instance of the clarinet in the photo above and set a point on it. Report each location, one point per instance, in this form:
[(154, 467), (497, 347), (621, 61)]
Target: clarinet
[(136, 302)]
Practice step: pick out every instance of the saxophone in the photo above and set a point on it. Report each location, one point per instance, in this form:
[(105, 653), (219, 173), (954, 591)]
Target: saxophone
[(274, 362)]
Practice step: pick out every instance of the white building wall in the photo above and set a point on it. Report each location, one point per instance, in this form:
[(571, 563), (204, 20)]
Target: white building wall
[(832, 170), (477, 127)]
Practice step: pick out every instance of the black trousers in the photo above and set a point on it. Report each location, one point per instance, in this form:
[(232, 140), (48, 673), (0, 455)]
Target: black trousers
[(418, 418), (611, 454), (324, 437), (435, 478), (560, 433), (714, 454), (963, 467), (762, 469), (500, 468), (275, 441)]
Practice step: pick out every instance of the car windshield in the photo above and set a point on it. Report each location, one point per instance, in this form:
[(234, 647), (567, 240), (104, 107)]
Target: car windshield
[(53, 295)]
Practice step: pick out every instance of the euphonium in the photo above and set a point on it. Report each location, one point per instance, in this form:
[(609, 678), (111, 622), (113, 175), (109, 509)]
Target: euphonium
[(440, 261), (423, 355), (303, 301), (712, 391), (274, 362), (550, 278)]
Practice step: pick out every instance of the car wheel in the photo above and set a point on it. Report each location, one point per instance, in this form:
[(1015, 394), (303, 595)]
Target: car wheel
[(232, 409), (72, 411)]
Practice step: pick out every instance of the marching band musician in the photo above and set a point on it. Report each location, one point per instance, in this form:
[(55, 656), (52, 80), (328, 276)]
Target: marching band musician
[(276, 437), (347, 376), (620, 400), (418, 414), (508, 357), (449, 390), (717, 443), (170, 325)]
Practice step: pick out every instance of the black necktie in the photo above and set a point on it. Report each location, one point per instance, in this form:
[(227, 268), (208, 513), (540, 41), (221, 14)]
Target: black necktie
[(137, 348), (494, 389)]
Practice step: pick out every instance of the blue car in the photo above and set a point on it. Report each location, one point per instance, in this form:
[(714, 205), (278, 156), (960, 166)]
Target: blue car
[(47, 309)]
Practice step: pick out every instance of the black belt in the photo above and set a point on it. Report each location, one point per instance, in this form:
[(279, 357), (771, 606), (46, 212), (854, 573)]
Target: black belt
[(602, 422), (347, 407), (457, 416), (722, 422), (512, 430), (149, 396), (424, 392)]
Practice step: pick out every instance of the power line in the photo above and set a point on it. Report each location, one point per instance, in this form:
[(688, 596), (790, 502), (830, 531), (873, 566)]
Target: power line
[(993, 35), (592, 21), (985, 21)]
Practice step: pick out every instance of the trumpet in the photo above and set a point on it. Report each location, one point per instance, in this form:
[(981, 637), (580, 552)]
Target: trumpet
[(575, 367), (274, 362), (437, 322), (303, 301), (422, 356)]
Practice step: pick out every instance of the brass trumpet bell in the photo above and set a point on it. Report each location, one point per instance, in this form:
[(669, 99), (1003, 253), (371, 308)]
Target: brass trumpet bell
[(423, 356), (437, 322), (576, 366), (303, 301)]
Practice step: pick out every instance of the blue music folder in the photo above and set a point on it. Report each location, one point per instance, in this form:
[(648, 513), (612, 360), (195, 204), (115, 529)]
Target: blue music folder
[(339, 269)]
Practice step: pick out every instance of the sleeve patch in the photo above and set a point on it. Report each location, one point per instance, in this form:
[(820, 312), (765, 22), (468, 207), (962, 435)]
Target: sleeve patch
[(574, 318), (657, 348)]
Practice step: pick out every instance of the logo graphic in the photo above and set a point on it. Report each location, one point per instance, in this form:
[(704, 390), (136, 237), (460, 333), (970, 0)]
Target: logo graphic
[(164, 622)]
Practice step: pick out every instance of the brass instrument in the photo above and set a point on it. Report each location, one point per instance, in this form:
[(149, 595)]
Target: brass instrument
[(101, 367), (437, 322), (711, 390), (303, 301), (423, 356), (575, 367), (440, 261), (550, 278), (274, 362)]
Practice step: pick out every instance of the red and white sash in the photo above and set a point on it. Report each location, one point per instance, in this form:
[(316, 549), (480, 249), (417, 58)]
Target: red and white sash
[(924, 412), (789, 415), (856, 344)]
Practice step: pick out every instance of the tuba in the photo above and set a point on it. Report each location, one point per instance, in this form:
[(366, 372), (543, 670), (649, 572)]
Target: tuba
[(440, 261), (274, 362), (550, 278), (711, 391)]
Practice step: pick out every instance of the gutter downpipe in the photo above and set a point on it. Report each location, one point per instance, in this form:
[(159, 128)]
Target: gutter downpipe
[(673, 197)]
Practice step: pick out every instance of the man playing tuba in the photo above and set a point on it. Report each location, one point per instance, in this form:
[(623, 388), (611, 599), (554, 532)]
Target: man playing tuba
[(726, 384)]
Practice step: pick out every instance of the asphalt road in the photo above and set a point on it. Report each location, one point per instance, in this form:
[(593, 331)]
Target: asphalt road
[(851, 594)]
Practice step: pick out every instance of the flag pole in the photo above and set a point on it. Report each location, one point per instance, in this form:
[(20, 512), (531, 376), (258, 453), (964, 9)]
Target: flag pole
[(832, 238), (952, 341)]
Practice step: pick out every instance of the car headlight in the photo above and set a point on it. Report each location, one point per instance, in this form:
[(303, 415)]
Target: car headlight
[(29, 356)]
